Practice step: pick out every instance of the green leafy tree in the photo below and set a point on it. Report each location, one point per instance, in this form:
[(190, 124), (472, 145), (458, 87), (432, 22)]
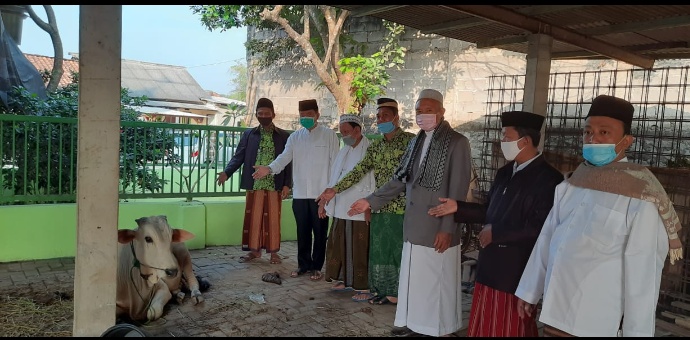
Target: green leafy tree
[(43, 155), (314, 32), (239, 81)]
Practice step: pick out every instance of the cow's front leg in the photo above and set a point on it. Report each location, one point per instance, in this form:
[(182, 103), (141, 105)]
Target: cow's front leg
[(161, 296), (193, 285)]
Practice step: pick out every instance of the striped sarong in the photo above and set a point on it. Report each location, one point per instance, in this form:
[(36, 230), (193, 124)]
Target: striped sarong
[(494, 314), (347, 253), (261, 229)]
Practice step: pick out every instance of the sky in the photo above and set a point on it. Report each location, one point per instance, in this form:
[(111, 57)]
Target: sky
[(162, 34)]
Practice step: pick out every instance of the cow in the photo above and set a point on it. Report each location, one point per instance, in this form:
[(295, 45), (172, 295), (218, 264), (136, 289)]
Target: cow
[(153, 262)]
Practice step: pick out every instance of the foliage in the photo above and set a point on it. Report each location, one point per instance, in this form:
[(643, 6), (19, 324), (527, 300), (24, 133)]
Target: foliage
[(314, 33), (239, 80), (45, 153), (234, 112), (370, 73)]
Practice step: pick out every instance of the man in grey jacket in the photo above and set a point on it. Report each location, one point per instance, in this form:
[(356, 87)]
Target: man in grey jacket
[(437, 163)]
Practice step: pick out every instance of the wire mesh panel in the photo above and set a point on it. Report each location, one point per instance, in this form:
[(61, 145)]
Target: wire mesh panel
[(661, 127)]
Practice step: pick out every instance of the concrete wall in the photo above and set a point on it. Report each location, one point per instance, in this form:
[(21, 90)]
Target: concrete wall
[(46, 231), (456, 68)]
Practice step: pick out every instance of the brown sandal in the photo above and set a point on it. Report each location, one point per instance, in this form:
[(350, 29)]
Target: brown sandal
[(275, 258), (248, 257)]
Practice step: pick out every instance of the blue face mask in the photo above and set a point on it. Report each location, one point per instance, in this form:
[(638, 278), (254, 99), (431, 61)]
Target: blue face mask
[(599, 154), (385, 127), (307, 122)]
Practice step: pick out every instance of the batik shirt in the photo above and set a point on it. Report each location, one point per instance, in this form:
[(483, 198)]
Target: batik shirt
[(383, 156), (265, 156)]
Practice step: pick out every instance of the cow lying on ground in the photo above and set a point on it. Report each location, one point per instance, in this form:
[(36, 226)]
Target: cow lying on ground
[(152, 263)]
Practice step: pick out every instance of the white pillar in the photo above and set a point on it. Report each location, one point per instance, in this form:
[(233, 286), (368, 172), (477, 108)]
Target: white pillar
[(537, 77), (100, 46)]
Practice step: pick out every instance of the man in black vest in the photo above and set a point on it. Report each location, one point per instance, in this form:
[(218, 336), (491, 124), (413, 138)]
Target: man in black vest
[(519, 200)]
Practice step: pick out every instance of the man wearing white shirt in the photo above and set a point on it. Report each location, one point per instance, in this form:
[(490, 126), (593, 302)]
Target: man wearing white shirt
[(312, 150), (598, 260), (347, 249)]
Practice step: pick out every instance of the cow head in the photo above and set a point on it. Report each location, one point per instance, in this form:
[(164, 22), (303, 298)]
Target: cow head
[(151, 245)]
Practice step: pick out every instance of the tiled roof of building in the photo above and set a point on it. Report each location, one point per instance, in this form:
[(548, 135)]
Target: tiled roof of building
[(46, 63)]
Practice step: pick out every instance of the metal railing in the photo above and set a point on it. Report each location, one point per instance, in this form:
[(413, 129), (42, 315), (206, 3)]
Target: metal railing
[(38, 160)]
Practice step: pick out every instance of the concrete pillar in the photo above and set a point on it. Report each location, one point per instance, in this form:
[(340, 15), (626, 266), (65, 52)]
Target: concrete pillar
[(537, 76), (100, 50)]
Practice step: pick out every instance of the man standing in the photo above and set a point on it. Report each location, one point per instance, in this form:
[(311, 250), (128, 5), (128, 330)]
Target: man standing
[(437, 163), (312, 150), (385, 230), (347, 249), (520, 197), (260, 146), (598, 260)]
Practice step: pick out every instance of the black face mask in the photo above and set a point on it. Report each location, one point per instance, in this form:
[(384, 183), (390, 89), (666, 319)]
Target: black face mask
[(264, 121)]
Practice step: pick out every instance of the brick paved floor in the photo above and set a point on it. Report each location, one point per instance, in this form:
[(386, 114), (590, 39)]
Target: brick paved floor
[(299, 307)]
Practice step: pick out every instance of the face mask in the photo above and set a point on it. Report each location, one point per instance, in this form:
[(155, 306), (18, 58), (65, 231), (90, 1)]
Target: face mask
[(264, 121), (600, 154), (426, 122), (386, 127), (510, 149), (349, 141), (307, 122)]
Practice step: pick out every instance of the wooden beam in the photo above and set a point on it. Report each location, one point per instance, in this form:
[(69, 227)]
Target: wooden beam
[(473, 21), (373, 9), (637, 26), (513, 39), (646, 48), (514, 19)]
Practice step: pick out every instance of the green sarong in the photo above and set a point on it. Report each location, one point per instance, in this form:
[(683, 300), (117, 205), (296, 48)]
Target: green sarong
[(385, 252)]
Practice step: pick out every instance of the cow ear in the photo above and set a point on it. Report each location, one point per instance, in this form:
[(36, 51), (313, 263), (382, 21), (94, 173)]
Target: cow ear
[(181, 235), (141, 220), (125, 236)]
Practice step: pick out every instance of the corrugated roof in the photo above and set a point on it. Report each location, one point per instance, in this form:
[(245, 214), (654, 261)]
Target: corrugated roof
[(159, 82), (636, 34)]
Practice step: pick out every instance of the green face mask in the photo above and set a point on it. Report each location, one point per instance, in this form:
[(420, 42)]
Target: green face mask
[(307, 122)]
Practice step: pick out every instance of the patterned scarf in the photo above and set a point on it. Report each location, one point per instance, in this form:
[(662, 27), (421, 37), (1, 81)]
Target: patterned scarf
[(636, 181), (434, 162)]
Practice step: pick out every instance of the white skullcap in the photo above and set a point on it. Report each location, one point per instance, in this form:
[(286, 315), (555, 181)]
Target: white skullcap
[(351, 118), (431, 94)]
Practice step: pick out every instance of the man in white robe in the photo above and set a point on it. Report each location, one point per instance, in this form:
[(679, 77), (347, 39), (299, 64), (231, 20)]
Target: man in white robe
[(347, 249), (598, 260)]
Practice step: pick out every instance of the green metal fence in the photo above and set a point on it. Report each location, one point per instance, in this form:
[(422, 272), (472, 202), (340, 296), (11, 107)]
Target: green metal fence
[(38, 159)]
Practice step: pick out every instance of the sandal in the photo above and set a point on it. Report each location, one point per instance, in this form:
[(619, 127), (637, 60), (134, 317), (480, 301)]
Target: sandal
[(272, 278), (362, 296), (248, 257), (275, 258), (341, 287), (382, 300), (297, 273), (316, 275)]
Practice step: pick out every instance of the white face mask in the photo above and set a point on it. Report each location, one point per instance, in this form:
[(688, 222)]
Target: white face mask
[(510, 149)]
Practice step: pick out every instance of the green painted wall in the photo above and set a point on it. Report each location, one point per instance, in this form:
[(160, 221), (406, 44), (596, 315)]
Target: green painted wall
[(44, 231)]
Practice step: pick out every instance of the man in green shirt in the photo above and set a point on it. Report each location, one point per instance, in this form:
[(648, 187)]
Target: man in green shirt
[(386, 233)]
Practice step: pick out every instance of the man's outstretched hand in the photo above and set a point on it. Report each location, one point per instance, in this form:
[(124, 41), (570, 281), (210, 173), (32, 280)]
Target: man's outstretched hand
[(260, 171)]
